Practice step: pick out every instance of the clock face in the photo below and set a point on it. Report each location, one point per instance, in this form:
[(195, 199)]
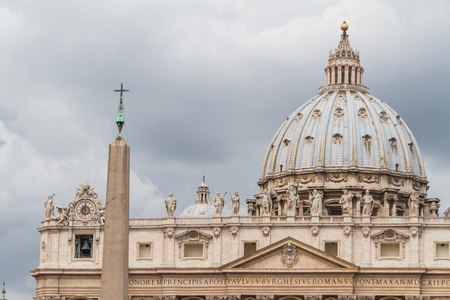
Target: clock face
[(85, 210)]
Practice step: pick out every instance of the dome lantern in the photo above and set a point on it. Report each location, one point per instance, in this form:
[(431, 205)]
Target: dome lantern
[(344, 69)]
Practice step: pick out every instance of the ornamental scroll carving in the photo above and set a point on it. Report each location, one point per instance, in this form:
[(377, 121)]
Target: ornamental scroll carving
[(395, 181), (281, 182), (216, 297), (368, 179), (416, 186), (348, 231), (216, 232), (289, 255), (306, 179), (234, 231), (232, 297), (265, 297), (347, 297), (366, 232), (165, 297), (337, 178), (168, 233), (313, 297), (93, 212)]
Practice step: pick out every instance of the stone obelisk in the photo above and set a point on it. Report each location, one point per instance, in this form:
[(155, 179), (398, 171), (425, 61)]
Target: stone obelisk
[(115, 241)]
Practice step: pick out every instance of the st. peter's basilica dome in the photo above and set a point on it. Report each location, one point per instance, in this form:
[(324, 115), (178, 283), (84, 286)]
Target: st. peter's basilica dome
[(344, 138)]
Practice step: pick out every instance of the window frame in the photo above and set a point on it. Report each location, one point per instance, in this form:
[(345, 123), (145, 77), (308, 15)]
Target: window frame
[(204, 249), (249, 242), (329, 242), (138, 250), (435, 250)]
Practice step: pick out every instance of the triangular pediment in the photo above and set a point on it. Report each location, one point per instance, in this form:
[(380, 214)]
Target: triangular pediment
[(290, 255)]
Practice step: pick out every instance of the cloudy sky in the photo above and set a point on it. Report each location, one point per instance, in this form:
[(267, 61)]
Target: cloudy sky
[(210, 81)]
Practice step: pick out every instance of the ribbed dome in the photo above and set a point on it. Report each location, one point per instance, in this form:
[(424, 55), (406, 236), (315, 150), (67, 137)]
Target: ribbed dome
[(198, 210), (345, 128)]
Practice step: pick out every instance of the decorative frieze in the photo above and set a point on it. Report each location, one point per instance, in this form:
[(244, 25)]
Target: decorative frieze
[(165, 297), (368, 178), (265, 297), (216, 297), (313, 297), (396, 181), (337, 177), (306, 179)]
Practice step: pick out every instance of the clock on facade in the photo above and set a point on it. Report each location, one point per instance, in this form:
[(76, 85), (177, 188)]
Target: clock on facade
[(85, 209)]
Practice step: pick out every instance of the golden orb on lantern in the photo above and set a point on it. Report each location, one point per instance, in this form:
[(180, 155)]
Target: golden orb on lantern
[(344, 26)]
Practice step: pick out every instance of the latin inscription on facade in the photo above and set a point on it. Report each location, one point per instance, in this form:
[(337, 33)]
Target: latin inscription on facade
[(331, 281)]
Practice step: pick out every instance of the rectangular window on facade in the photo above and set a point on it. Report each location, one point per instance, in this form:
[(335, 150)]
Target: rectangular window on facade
[(249, 248), (442, 250), (331, 248), (145, 251), (390, 250), (83, 246), (193, 250)]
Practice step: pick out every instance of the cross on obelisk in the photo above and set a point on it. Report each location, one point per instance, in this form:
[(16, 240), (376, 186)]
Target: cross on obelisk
[(121, 91), (120, 120), (345, 15)]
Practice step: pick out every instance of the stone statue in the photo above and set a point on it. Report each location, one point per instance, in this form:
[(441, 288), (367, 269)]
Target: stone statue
[(414, 204), (367, 204), (316, 206), (346, 203), (49, 208), (101, 215), (266, 203), (63, 215), (171, 205), (291, 201), (235, 204), (218, 203)]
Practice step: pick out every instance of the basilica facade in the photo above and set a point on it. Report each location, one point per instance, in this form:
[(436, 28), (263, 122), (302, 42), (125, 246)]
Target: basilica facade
[(341, 213)]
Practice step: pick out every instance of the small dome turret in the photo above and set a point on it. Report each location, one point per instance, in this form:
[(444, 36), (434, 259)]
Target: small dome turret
[(202, 206)]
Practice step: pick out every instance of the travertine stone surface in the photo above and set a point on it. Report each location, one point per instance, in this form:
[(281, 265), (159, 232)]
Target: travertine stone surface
[(116, 234)]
